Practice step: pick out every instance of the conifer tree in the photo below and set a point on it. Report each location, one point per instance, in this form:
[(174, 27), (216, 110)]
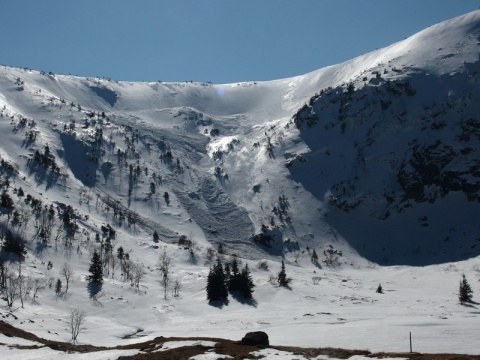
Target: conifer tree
[(234, 278), (6, 201), (216, 284), (58, 287), (282, 276), (120, 253), (14, 244), (465, 291), (314, 257), (95, 269), (228, 273), (246, 284)]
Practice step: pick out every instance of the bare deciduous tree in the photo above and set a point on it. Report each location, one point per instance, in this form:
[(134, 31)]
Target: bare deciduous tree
[(25, 286), (59, 234), (67, 272), (29, 285), (177, 286), (113, 264), (12, 289), (38, 285), (126, 269), (164, 264), (76, 323), (193, 249), (331, 260), (21, 283), (22, 220), (137, 275)]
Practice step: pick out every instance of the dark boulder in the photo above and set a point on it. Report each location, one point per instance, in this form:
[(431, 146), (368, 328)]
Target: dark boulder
[(255, 338)]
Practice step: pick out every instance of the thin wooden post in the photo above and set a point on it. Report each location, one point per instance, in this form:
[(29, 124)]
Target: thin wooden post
[(410, 341)]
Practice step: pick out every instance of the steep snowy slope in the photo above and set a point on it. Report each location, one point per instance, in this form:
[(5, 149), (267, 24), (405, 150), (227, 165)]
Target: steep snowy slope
[(229, 144)]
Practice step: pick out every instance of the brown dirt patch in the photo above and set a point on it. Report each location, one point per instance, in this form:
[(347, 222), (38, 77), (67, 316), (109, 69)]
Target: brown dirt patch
[(223, 347)]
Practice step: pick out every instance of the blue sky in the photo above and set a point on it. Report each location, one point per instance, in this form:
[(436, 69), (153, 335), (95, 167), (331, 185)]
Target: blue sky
[(221, 41)]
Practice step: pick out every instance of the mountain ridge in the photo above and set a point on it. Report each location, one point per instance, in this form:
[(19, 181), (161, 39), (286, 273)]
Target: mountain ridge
[(241, 110)]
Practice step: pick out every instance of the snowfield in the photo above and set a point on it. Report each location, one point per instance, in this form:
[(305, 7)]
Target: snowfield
[(372, 164)]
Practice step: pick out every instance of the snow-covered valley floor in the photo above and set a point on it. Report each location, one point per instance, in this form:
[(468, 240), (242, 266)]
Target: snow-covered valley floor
[(342, 310)]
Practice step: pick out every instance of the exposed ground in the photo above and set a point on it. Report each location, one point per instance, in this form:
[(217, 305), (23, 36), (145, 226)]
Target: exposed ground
[(149, 350)]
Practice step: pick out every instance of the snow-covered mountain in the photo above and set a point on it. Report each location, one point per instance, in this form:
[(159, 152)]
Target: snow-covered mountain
[(371, 155), (395, 149), (375, 160)]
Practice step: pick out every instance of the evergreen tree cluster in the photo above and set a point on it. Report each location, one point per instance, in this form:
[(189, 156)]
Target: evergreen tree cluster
[(6, 166), (229, 278), (217, 283), (239, 281), (67, 216), (6, 201), (13, 244), (46, 159)]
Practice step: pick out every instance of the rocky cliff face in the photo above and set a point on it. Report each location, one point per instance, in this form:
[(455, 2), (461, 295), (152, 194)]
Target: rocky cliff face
[(390, 142)]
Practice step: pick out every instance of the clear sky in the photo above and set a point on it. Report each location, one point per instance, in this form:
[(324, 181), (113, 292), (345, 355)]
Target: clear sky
[(221, 41)]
